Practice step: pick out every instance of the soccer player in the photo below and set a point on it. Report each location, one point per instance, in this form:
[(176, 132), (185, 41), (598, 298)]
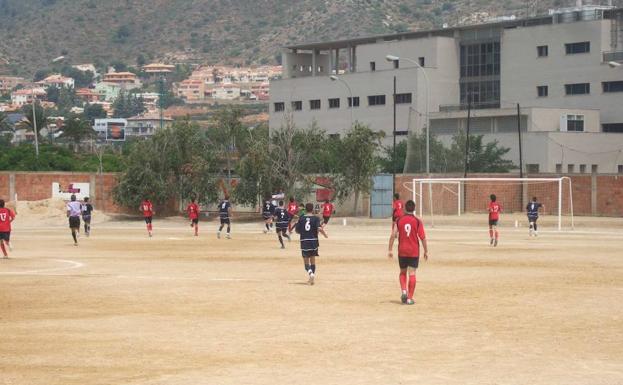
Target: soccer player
[(6, 217), (87, 210), (193, 214), (533, 214), (293, 209), (397, 212), (308, 226), (224, 213), (268, 211), (494, 216), (283, 220), (409, 231), (74, 209), (327, 211), (147, 208)]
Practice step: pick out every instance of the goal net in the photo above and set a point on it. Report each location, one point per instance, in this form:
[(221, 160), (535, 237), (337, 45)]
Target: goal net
[(440, 199)]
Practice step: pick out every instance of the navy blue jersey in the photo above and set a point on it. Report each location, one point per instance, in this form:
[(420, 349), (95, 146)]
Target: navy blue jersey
[(223, 209), (282, 217), (87, 209), (307, 227), (533, 209), (268, 209)]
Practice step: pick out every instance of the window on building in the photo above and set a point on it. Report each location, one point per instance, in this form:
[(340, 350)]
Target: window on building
[(575, 123), (297, 105), (578, 89), (620, 169), (396, 64), (612, 127), (480, 94), (422, 61), (532, 168), (403, 98), (353, 102), (372, 66), (581, 47), (571, 168), (612, 86), (542, 91), (542, 51), (558, 168), (279, 106), (376, 100), (334, 103), (582, 168), (314, 104), (594, 168), (402, 133), (482, 59)]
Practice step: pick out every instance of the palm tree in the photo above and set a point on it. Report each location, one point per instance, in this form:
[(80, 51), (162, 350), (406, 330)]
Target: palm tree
[(76, 130), (5, 124), (28, 124)]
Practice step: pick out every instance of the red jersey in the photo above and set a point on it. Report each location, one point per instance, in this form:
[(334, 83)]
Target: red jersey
[(410, 232), (494, 211), (293, 208), (193, 211), (397, 206), (147, 208), (327, 209), (6, 216)]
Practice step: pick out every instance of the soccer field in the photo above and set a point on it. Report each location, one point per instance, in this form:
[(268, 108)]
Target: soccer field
[(125, 309)]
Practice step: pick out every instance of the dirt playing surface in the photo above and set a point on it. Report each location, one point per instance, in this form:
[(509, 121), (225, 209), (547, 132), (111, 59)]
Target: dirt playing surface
[(125, 309)]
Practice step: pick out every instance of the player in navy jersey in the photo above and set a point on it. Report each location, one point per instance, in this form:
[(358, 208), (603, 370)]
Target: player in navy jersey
[(224, 213), (533, 214), (268, 211), (282, 219), (308, 226)]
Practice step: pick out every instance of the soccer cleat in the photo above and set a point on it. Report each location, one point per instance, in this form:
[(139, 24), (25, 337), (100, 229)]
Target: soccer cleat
[(76, 244), (492, 240), (403, 298), (5, 257), (495, 244), (265, 231), (218, 235), (312, 276), (410, 302), (536, 234), (228, 236), (283, 247)]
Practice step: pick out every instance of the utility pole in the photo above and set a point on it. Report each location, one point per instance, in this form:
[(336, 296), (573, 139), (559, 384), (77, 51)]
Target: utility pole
[(34, 124), (161, 102), (519, 133), (469, 117), (394, 149)]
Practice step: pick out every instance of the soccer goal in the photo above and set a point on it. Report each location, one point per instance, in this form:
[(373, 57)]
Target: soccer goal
[(442, 197)]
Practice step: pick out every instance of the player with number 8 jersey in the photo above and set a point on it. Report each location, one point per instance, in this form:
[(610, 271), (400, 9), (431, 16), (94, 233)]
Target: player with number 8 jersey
[(409, 231)]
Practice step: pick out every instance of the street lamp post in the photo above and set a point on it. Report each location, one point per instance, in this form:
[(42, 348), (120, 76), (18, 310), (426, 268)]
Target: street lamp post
[(338, 79), (393, 58), (34, 123)]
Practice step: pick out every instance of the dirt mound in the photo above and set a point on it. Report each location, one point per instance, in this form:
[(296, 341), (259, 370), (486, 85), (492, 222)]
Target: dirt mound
[(46, 212)]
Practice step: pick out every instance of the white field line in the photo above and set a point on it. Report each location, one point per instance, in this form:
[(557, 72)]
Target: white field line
[(71, 265)]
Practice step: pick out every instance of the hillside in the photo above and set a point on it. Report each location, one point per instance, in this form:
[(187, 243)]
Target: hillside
[(33, 32)]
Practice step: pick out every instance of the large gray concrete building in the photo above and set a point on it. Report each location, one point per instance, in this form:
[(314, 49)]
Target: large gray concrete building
[(562, 69)]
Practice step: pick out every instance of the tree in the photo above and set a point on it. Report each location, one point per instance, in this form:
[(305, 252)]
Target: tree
[(389, 163), (482, 157), (6, 130), (28, 122), (415, 155), (227, 135), (177, 162), (76, 130), (254, 168), (126, 106), (359, 163), (94, 111)]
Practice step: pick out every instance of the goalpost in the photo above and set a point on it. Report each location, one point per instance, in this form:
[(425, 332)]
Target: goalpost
[(457, 196)]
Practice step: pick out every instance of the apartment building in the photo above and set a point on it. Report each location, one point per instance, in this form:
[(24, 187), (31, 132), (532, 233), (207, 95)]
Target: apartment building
[(126, 80), (562, 69), (8, 83)]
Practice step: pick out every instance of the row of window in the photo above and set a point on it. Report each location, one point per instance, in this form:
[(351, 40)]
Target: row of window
[(571, 168), (315, 104), (421, 62), (582, 88), (570, 48)]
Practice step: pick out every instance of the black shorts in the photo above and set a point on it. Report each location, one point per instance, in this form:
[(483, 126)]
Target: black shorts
[(148, 220), (195, 221), (532, 219), (309, 253), (326, 219), (86, 218), (282, 227), (405, 262), (266, 216), (6, 236), (225, 221), (74, 222), (493, 222)]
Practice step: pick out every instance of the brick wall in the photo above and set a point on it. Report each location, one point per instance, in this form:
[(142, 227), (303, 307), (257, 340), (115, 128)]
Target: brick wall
[(597, 195)]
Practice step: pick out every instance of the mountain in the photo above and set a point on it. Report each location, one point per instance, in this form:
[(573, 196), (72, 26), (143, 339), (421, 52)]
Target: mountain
[(34, 32)]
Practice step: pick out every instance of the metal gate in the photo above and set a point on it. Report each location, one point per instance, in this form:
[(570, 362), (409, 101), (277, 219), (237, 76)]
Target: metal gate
[(381, 199)]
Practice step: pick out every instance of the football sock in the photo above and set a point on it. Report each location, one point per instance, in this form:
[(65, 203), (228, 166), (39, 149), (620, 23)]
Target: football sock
[(73, 234), (271, 225), (3, 249), (196, 229), (411, 285), (280, 239), (496, 234), (220, 228), (267, 228), (403, 281), (490, 233), (306, 268), (228, 229), (313, 269), (534, 226)]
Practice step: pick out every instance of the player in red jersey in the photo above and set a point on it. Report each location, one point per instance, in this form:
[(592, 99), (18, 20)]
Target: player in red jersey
[(397, 210), (193, 214), (494, 216), (409, 231), (6, 217), (327, 211), (293, 209), (147, 208)]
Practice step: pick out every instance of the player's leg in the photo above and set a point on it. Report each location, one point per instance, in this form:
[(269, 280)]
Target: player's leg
[(402, 277), (3, 239), (306, 262), (280, 237), (496, 234), (74, 235), (412, 280), (196, 223), (312, 267), (266, 224), (491, 233), (148, 221), (220, 228), (536, 232), (228, 222)]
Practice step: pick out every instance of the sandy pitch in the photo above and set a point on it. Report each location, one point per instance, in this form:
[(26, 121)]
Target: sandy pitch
[(125, 309)]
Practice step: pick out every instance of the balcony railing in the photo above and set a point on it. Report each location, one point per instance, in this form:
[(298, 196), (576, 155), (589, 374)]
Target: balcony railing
[(612, 56)]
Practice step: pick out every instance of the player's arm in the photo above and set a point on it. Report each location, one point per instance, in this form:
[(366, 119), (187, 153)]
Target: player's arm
[(392, 237), (425, 247)]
